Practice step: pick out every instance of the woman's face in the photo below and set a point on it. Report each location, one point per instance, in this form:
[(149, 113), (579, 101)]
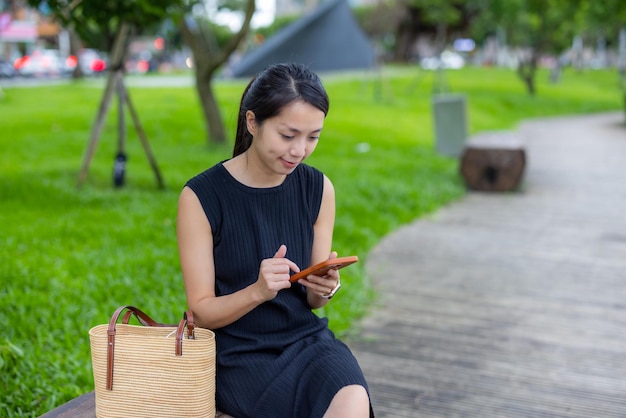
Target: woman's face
[(285, 140)]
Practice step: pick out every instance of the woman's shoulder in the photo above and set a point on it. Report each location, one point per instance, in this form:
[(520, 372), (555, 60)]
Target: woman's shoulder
[(207, 176), (311, 185)]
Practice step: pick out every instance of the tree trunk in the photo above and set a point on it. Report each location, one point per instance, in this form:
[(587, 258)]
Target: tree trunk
[(555, 73), (405, 37), (208, 58), (529, 81), (205, 66), (526, 70), (75, 47), (624, 101), (403, 44), (210, 108)]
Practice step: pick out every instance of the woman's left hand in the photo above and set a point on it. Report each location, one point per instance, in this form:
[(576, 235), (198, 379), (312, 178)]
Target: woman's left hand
[(322, 285)]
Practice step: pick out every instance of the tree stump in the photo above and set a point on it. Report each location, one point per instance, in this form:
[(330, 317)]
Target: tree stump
[(493, 161)]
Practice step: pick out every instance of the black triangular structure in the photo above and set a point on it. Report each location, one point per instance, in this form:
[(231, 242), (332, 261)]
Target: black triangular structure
[(328, 39)]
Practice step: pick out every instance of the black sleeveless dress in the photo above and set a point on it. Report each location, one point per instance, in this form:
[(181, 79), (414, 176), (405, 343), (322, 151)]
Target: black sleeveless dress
[(280, 359)]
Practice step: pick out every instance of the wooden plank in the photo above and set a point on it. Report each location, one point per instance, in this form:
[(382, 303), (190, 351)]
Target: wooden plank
[(509, 305), (82, 407)]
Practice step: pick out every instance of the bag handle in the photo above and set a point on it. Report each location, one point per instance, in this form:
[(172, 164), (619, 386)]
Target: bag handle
[(144, 320), (191, 324), (141, 316)]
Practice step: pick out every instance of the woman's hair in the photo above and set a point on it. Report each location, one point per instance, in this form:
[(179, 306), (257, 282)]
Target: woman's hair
[(271, 90)]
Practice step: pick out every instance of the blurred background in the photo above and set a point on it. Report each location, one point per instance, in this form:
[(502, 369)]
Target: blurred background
[(43, 38)]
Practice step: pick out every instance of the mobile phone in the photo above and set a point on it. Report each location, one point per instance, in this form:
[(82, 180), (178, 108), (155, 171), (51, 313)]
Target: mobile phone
[(320, 269)]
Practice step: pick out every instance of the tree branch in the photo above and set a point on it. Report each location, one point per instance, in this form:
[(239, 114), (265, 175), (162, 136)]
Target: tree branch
[(233, 42)]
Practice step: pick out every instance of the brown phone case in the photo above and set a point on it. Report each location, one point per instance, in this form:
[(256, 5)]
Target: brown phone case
[(320, 269)]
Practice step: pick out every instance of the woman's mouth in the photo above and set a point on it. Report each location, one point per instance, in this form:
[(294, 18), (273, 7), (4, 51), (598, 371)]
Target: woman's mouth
[(289, 164)]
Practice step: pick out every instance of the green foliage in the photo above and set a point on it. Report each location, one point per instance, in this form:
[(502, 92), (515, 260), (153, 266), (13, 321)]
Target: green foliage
[(219, 34), (377, 21), (447, 12), (547, 25), (71, 256), (605, 18), (9, 356), (97, 22), (279, 23)]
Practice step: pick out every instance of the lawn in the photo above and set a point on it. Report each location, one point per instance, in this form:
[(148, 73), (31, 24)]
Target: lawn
[(69, 256)]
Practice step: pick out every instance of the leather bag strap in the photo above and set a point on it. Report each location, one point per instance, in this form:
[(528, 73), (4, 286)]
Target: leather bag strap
[(190, 324), (144, 320)]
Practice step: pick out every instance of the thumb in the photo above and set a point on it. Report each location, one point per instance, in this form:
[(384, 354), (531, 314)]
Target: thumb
[(332, 255), (282, 251)]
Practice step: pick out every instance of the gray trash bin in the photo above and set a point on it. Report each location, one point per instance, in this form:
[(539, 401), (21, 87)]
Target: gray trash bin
[(450, 120)]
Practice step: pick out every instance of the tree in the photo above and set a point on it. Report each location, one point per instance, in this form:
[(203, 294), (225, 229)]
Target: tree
[(109, 26), (533, 27), (438, 18), (209, 55), (97, 23), (607, 19)]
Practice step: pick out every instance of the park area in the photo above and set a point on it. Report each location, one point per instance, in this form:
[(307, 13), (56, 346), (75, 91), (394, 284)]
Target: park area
[(71, 255)]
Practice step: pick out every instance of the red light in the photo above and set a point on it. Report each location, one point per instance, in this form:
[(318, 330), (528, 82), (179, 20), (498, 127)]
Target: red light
[(159, 43), (98, 65), (21, 62), (143, 65), (71, 61)]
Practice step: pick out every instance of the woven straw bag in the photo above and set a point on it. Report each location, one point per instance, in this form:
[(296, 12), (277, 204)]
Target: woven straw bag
[(152, 370)]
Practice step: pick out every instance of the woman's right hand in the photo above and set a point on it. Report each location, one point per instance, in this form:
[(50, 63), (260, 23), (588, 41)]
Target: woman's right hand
[(274, 274)]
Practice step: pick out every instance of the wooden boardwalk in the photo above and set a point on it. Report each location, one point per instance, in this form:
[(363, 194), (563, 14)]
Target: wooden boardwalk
[(514, 304)]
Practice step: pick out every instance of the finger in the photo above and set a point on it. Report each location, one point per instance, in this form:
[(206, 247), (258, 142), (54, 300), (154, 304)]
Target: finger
[(319, 288), (333, 274), (282, 251), (321, 281), (279, 266), (332, 255)]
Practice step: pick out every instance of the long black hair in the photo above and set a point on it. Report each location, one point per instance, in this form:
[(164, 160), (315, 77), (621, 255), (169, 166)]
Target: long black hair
[(273, 89)]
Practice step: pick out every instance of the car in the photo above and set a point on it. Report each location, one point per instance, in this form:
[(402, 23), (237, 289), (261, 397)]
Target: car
[(91, 61), (6, 69), (448, 59), (40, 63)]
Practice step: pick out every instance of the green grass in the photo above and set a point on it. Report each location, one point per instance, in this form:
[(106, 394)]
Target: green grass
[(69, 257)]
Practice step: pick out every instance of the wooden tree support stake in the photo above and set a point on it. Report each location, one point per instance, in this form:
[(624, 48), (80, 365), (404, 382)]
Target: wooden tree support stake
[(115, 84)]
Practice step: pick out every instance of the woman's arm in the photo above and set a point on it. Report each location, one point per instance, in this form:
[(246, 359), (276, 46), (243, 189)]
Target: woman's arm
[(195, 246), (322, 244)]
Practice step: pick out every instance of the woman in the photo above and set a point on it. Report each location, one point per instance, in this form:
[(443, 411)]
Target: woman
[(242, 226)]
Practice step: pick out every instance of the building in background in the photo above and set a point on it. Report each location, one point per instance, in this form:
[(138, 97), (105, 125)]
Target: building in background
[(24, 29), (299, 7), (326, 39)]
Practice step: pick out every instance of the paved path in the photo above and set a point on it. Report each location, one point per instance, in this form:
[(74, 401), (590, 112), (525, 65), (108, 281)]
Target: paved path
[(510, 305)]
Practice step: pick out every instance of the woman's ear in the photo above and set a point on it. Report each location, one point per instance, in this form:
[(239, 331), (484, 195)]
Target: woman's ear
[(251, 122)]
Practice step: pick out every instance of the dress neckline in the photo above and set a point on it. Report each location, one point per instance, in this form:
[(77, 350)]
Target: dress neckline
[(244, 187)]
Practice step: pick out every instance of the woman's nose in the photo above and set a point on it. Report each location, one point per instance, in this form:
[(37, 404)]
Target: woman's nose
[(298, 148)]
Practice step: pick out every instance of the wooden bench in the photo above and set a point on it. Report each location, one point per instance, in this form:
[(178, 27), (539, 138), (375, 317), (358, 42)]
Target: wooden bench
[(493, 161), (82, 407), (85, 407)]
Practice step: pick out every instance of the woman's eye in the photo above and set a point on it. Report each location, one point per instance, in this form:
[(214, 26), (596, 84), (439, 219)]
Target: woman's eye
[(287, 136)]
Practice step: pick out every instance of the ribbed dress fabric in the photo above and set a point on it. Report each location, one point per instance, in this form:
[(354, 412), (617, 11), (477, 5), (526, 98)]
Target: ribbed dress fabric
[(280, 359)]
